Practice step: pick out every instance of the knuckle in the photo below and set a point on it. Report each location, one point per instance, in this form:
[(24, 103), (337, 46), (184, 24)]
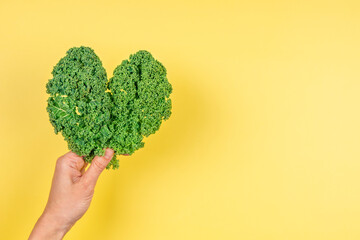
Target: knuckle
[(77, 163), (60, 162), (64, 162), (99, 165)]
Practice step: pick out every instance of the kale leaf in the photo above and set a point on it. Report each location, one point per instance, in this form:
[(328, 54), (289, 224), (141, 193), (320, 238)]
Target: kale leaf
[(94, 113)]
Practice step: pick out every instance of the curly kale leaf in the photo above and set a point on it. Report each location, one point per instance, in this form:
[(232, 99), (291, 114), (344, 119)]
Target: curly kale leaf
[(93, 113), (140, 93)]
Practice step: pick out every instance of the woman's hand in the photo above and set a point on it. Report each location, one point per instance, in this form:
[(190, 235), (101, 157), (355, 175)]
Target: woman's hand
[(70, 195)]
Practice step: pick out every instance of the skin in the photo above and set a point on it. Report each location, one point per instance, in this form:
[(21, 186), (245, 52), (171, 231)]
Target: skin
[(70, 196)]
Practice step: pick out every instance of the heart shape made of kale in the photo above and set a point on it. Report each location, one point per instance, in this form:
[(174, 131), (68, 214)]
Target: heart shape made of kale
[(94, 113)]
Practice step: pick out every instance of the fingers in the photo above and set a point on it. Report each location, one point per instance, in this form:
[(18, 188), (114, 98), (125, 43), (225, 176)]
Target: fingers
[(70, 160), (82, 170), (98, 165), (70, 155), (80, 163)]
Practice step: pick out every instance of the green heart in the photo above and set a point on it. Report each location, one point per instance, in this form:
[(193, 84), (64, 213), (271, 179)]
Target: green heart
[(94, 113)]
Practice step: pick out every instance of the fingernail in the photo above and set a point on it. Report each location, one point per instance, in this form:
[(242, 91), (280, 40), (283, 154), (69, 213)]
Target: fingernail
[(108, 153)]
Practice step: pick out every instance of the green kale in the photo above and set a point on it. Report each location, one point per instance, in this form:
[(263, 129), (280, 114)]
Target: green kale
[(93, 113)]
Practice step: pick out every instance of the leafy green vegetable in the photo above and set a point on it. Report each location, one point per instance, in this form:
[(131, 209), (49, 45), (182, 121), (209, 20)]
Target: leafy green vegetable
[(93, 113)]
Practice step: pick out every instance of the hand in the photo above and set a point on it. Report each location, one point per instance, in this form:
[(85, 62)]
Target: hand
[(70, 195)]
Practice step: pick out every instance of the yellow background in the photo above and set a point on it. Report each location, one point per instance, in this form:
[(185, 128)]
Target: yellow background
[(264, 138)]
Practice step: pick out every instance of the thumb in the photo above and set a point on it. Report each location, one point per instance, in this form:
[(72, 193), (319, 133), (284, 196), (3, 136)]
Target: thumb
[(98, 165)]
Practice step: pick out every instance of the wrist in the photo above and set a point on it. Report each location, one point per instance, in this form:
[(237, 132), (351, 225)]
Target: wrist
[(49, 227)]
